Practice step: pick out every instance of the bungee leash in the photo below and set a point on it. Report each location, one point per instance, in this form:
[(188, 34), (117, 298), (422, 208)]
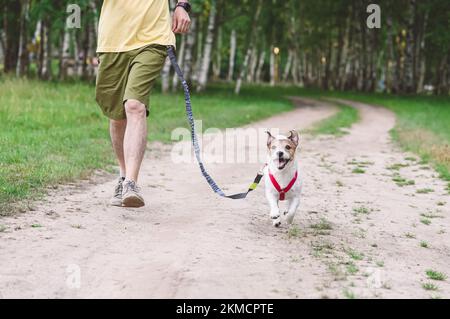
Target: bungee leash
[(190, 117)]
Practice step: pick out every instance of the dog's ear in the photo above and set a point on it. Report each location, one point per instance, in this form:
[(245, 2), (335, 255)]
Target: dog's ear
[(270, 138), (293, 137)]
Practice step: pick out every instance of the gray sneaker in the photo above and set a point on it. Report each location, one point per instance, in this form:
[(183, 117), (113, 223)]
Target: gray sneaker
[(116, 200), (131, 195)]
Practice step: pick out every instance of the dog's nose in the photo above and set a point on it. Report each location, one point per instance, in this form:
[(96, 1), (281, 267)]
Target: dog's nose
[(280, 154)]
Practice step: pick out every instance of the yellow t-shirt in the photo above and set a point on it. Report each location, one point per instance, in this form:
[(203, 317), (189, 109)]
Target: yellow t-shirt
[(126, 25)]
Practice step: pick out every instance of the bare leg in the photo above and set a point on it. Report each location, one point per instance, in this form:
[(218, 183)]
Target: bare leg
[(135, 139), (117, 132)]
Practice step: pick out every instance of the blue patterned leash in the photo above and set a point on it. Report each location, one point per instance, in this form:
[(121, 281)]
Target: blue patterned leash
[(190, 117)]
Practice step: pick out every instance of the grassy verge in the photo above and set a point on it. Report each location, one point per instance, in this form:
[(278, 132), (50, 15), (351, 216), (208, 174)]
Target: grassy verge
[(53, 133), (334, 125)]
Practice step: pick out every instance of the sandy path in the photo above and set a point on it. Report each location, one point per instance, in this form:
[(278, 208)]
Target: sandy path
[(190, 243)]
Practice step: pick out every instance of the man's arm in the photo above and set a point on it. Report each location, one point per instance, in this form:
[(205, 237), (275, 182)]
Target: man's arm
[(181, 20)]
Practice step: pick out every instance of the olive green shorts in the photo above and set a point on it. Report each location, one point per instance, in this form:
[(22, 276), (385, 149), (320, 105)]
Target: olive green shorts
[(126, 76)]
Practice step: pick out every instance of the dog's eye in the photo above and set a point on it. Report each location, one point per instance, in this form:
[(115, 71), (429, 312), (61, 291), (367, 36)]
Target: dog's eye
[(273, 147), (288, 147)]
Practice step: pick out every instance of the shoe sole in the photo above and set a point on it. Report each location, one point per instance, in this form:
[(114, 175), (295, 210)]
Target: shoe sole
[(117, 203), (132, 201)]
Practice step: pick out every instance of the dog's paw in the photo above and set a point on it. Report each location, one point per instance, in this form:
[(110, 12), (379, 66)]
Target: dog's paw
[(276, 222), (289, 218)]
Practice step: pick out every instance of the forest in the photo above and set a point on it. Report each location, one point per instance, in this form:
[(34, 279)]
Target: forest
[(307, 43)]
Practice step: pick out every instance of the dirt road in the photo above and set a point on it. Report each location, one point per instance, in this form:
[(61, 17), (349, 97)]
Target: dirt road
[(357, 232)]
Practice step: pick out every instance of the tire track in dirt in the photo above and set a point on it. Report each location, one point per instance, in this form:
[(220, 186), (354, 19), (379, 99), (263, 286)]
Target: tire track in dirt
[(349, 237)]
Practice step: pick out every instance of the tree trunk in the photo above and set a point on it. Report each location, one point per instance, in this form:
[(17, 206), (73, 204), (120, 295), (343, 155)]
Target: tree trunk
[(180, 56), (252, 66), (244, 67), (287, 67), (165, 73), (46, 50), (218, 56), (259, 69), (22, 59), (409, 80), (190, 42), (206, 60), (272, 67), (232, 56), (64, 54), (251, 35), (11, 26), (421, 56)]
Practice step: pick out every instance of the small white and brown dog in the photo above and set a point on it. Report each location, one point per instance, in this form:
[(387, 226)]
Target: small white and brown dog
[(282, 179)]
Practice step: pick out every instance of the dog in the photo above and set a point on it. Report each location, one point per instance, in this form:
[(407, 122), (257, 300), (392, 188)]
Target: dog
[(282, 178)]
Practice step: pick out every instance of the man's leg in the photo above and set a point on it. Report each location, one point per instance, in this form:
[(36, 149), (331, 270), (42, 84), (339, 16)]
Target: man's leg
[(117, 132), (135, 140)]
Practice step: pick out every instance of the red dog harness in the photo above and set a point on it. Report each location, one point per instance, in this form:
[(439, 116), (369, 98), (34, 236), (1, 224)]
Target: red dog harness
[(283, 191)]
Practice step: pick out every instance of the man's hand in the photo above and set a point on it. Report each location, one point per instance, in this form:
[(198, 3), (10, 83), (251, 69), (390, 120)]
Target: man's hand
[(181, 21)]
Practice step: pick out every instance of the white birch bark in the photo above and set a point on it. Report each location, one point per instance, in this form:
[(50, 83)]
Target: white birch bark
[(207, 50), (258, 75), (190, 42), (287, 67), (233, 42)]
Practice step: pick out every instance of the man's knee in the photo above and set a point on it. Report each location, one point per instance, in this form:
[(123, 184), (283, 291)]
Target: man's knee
[(134, 107)]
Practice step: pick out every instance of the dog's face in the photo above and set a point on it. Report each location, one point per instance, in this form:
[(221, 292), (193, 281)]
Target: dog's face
[(282, 148)]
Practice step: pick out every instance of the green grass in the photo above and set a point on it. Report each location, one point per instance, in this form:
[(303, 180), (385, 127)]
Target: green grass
[(353, 254), (358, 170), (435, 275), (424, 191), (323, 224), (423, 244), (334, 125), (430, 286), (55, 132)]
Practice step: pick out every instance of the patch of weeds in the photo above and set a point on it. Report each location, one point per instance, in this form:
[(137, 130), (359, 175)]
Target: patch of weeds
[(401, 181), (425, 221), (424, 191), (349, 294), (430, 286), (36, 225), (2, 228), (337, 272), (411, 159), (361, 210), (77, 226), (322, 225), (322, 248), (380, 263), (410, 235), (431, 215), (353, 254), (440, 203), (435, 275), (436, 297), (397, 166), (339, 184), (294, 232), (351, 268), (423, 244), (358, 170)]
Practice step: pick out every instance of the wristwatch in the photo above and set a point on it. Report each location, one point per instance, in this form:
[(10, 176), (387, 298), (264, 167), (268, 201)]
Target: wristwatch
[(185, 5)]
